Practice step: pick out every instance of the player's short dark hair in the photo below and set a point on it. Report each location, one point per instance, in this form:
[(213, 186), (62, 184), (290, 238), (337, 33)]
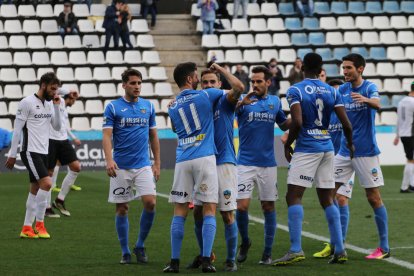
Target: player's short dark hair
[(130, 72), (182, 71), (312, 63), (264, 70), (49, 78), (335, 82), (356, 59), (208, 71)]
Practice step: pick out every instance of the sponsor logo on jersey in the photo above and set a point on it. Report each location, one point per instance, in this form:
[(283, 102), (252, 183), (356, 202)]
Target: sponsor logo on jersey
[(261, 117), (133, 121), (43, 115), (124, 109), (192, 141), (319, 133)]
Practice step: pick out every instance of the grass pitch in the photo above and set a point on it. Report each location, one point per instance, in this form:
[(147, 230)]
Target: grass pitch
[(86, 243)]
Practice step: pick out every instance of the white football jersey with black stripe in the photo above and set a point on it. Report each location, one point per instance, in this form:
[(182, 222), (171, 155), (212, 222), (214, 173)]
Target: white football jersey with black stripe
[(406, 117)]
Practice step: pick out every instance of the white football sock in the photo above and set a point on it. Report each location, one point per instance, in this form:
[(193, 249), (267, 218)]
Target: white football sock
[(406, 177), (41, 203), (49, 198), (70, 178), (411, 165), (55, 176), (30, 210)]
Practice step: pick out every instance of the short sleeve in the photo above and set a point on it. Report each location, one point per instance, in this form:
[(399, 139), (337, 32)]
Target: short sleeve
[(372, 91), (23, 110), (214, 94), (152, 123), (293, 96), (338, 98), (280, 116), (109, 116)]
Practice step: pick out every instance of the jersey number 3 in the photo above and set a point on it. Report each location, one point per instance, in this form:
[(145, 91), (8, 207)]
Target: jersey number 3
[(194, 115)]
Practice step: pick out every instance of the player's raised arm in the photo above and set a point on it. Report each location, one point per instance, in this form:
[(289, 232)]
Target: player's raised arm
[(56, 123), (346, 127), (237, 86)]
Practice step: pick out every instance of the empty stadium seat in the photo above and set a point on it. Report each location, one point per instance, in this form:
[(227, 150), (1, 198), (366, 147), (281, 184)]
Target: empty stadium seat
[(36, 42), (80, 124), (30, 89), (49, 26), (65, 74), (59, 58), (377, 53), (328, 23), (72, 41), (363, 22), (145, 41), (98, 9), (316, 38), (5, 122), (360, 50), (263, 40), (356, 7), (373, 7), (143, 71), (346, 22), (147, 90), (76, 108), (286, 9), (93, 107), (352, 38), (8, 11), (81, 10), (269, 9), (114, 57), (13, 107), (96, 123), (332, 70), (385, 69), (339, 8), (245, 40), (86, 26), (151, 57), (370, 69), (399, 22), (44, 10), (6, 58), (158, 73), (299, 39), (3, 109), (84, 74), (381, 22), (228, 40), (77, 57), (91, 41), (8, 74), (96, 57), (234, 56), (139, 26), (17, 42), (322, 8), (88, 90), (370, 38), (252, 56), (258, 25), (12, 26), (293, 23), (403, 68), (22, 58), (325, 53), (40, 58), (406, 37), (163, 89), (407, 7), (281, 39), (240, 25), (12, 91), (287, 55), (54, 42), (210, 41), (388, 37), (392, 85), (31, 26), (275, 24), (334, 38), (311, 23), (117, 72), (26, 11), (395, 53), (102, 73), (106, 89), (3, 42), (268, 54), (340, 52)]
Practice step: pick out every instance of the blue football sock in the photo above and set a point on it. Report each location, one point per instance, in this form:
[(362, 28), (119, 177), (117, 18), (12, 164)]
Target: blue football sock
[(198, 229), (230, 234), (335, 202), (295, 218), (381, 218), (269, 231), (145, 224), (177, 235), (122, 228), (344, 212), (334, 225), (242, 219), (209, 233)]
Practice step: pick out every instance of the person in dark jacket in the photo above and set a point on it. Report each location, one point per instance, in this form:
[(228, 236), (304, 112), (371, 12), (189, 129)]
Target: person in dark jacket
[(150, 6), (67, 20), (111, 24), (276, 77), (123, 20)]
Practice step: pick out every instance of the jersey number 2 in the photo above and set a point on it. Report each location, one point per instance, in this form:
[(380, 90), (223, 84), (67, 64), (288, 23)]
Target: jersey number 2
[(194, 115)]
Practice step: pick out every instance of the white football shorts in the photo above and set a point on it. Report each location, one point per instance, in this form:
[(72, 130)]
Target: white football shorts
[(264, 177), (346, 188)]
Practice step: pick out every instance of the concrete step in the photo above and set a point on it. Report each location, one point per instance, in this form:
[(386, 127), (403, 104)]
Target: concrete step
[(172, 58), (172, 26), (182, 42)]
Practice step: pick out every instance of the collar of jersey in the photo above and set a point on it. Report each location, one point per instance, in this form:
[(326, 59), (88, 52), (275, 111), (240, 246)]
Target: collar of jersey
[(125, 100), (358, 87)]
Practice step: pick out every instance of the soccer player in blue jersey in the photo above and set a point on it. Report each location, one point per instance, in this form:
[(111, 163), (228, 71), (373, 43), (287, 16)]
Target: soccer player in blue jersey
[(195, 175), (225, 160), (128, 120), (361, 100), (256, 162), (311, 103)]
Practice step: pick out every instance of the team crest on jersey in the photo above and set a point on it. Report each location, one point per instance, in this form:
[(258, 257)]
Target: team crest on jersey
[(271, 106), (203, 188), (143, 110), (227, 194)]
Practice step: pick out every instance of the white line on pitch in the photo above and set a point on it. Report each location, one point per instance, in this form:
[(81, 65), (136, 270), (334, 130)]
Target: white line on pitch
[(324, 239)]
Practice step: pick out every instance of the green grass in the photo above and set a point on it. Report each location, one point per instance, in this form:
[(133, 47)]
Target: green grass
[(86, 243)]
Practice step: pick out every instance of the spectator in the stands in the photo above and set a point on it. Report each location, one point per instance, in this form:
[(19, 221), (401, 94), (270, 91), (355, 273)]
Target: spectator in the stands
[(149, 6), (296, 73), (243, 4), (276, 77), (111, 24), (6, 2), (67, 20), (208, 14), (243, 77), (222, 9), (123, 19), (304, 7)]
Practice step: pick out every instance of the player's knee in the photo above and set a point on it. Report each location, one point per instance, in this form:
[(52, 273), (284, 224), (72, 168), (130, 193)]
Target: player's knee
[(268, 206), (75, 166), (242, 207), (228, 217), (342, 200), (149, 206), (122, 209)]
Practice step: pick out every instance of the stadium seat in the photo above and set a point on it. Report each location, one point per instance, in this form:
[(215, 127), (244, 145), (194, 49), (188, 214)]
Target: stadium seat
[(407, 7), (30, 89), (8, 75), (217, 55), (275, 24), (72, 42), (252, 56), (392, 85), (6, 59), (91, 41), (80, 124), (268, 54), (106, 90), (209, 41), (147, 90), (98, 26), (293, 24), (26, 11), (391, 7), (143, 71), (281, 39), (65, 74), (340, 52), (385, 101), (164, 105), (403, 68), (156, 105), (96, 123), (245, 40), (317, 38), (59, 58), (17, 42), (409, 52), (405, 37), (22, 59), (116, 72), (102, 73), (12, 91), (263, 40), (385, 69), (98, 9), (378, 83), (356, 7), (5, 122), (42, 70), (388, 37), (139, 26), (240, 25), (381, 22), (395, 100), (81, 10), (96, 57), (3, 42), (332, 70), (269, 9), (8, 11), (77, 57), (406, 84), (388, 117), (13, 107), (35, 42), (158, 73), (93, 107), (334, 38), (395, 53), (84, 74), (145, 41), (40, 58), (31, 26), (370, 38), (360, 50), (411, 21), (234, 56), (151, 57), (311, 23), (373, 7), (114, 57), (3, 109), (44, 10), (258, 25), (163, 89), (363, 22), (228, 41), (325, 53), (286, 9), (76, 108), (352, 38), (12, 26), (54, 42), (339, 8), (399, 22), (328, 23), (195, 11), (160, 122), (287, 55), (88, 90), (253, 9), (322, 8), (377, 53), (49, 26), (303, 51), (86, 26)]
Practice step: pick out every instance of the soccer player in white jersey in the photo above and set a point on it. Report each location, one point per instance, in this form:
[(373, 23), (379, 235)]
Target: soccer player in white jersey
[(34, 117), (256, 164), (405, 132), (311, 104), (226, 163), (361, 100), (129, 124), (195, 174), (61, 149)]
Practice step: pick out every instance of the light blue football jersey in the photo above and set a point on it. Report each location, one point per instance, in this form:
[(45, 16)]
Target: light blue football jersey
[(192, 117), (335, 130), (317, 100), (223, 131), (362, 118), (256, 131), (130, 122)]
